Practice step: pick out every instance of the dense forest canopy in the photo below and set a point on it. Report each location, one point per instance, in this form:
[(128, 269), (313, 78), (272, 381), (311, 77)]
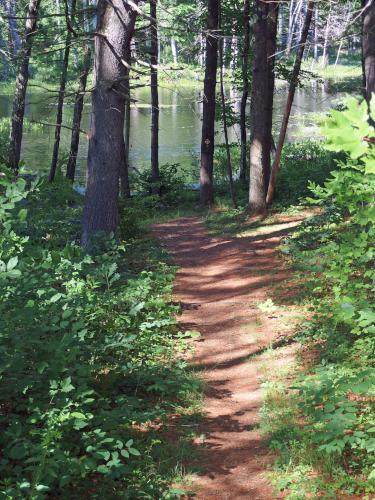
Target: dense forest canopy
[(237, 120)]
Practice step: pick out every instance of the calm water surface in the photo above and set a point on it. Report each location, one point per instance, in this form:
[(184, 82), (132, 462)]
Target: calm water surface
[(180, 125)]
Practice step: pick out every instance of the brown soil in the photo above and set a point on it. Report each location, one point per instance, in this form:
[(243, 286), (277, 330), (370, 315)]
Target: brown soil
[(220, 283)]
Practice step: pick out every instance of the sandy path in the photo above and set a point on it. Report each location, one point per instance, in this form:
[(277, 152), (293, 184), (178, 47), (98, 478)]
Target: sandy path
[(219, 283)]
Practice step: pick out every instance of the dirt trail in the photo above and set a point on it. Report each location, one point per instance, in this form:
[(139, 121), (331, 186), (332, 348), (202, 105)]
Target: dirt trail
[(220, 283)]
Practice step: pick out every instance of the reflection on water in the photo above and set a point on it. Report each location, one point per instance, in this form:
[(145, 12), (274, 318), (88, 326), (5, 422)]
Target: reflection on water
[(179, 124)]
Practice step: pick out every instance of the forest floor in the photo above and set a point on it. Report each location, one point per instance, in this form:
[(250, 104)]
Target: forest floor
[(233, 290)]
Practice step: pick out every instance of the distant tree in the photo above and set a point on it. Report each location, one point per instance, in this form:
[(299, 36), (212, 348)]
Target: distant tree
[(288, 108), (116, 20), (155, 175), (18, 113), (245, 89), (63, 82), (209, 99), (77, 114)]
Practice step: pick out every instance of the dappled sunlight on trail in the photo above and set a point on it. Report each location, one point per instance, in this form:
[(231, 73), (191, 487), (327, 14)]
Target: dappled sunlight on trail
[(219, 285)]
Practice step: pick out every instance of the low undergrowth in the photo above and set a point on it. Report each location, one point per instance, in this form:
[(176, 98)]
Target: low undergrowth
[(323, 425), (91, 357)]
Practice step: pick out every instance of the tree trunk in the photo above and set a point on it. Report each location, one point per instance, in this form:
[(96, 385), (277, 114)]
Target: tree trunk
[(288, 108), (208, 124), (368, 44), (155, 174), (106, 147), (174, 50), (326, 35), (77, 115), (262, 102), (225, 126), (316, 33), (60, 101), (245, 89), (18, 113)]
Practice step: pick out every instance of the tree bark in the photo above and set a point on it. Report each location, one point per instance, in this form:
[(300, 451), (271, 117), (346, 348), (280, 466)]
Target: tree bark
[(368, 48), (265, 28), (208, 124), (245, 89), (77, 115), (155, 174), (106, 147), (60, 101), (288, 108), (18, 113)]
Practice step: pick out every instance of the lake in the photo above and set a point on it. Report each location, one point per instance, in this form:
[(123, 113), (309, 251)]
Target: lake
[(180, 124)]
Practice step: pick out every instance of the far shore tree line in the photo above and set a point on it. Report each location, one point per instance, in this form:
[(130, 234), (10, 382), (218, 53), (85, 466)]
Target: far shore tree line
[(123, 41)]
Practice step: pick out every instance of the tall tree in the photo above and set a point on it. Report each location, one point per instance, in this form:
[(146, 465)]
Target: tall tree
[(115, 29), (265, 28), (63, 81), (18, 113), (225, 125), (290, 98), (77, 114), (368, 47), (155, 175), (245, 88), (124, 168), (209, 95)]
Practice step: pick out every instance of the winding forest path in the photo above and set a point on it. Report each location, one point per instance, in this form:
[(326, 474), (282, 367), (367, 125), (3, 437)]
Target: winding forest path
[(220, 283)]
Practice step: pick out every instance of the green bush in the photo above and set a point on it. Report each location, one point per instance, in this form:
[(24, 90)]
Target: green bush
[(335, 254), (88, 354), (302, 163)]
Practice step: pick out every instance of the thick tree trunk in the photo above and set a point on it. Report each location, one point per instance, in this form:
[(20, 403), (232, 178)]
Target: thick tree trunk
[(77, 115), (245, 89), (18, 113), (225, 125), (262, 102), (368, 48), (209, 95), (288, 108), (155, 175), (106, 147), (60, 101)]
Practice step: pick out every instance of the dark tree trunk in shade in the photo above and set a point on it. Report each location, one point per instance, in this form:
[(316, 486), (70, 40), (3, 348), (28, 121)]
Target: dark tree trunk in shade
[(106, 147), (245, 89), (265, 28), (18, 112), (155, 176), (292, 89), (368, 49), (60, 101), (209, 95), (271, 51), (77, 115), (124, 167)]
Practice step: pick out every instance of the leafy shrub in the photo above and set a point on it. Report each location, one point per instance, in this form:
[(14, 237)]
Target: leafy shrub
[(335, 251), (302, 163), (88, 354)]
